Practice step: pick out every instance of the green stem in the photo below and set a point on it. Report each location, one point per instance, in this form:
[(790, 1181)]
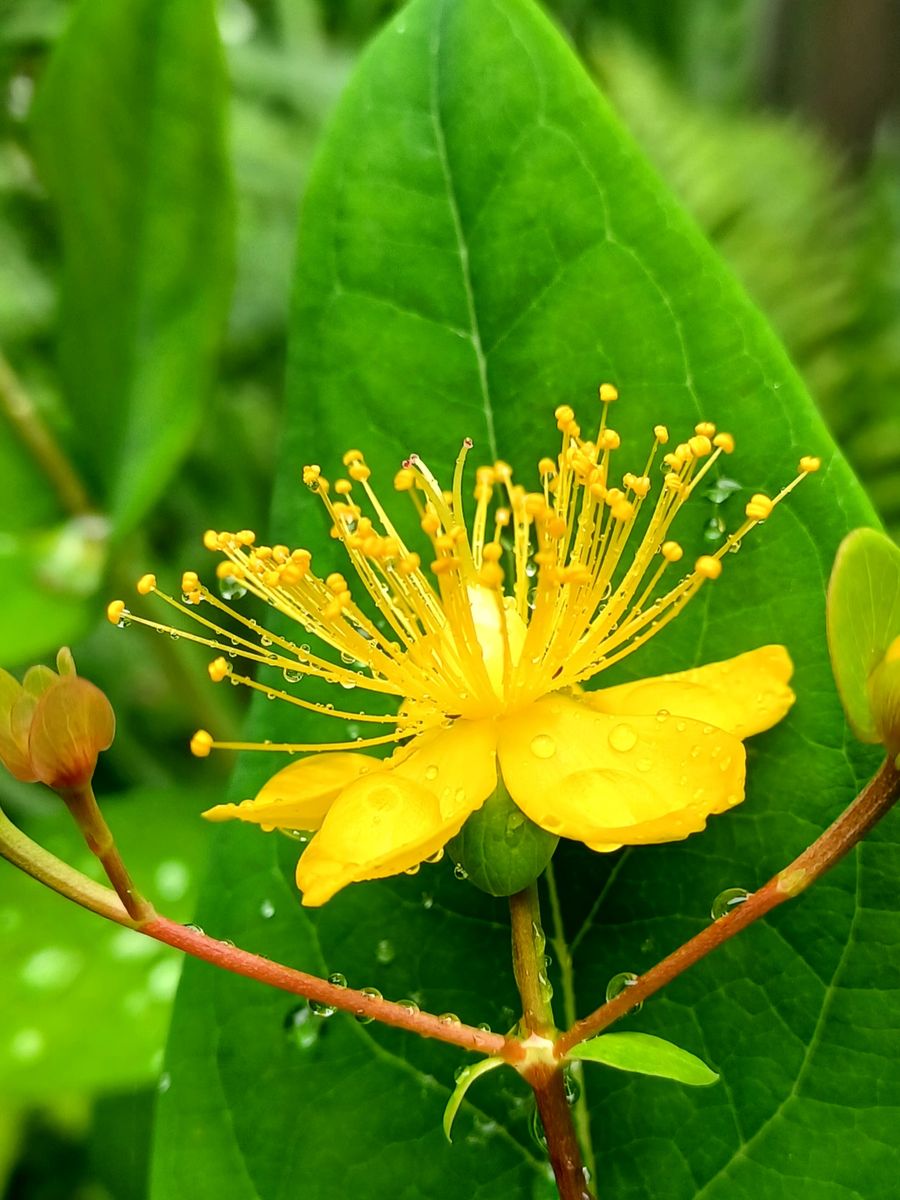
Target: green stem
[(580, 1113), (24, 417), (528, 943), (543, 1072)]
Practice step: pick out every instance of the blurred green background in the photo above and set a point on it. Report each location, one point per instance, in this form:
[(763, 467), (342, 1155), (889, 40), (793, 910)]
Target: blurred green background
[(775, 121)]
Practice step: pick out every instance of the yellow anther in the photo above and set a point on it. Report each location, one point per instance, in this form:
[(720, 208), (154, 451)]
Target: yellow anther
[(291, 573), (809, 464), (115, 611), (661, 434), (671, 551), (609, 440), (352, 456), (190, 581), (673, 482), (640, 486), (311, 475), (430, 523), (218, 669), (622, 510), (201, 744), (534, 504), (211, 540), (759, 507), (564, 414), (359, 471), (708, 567), (446, 541), (492, 552), (404, 480), (229, 570), (343, 487), (502, 517), (598, 491), (546, 466), (443, 566), (607, 393), (246, 537), (146, 584), (485, 476), (408, 564), (704, 429), (700, 445), (336, 582), (301, 556), (725, 442), (614, 495), (503, 471), (491, 575)]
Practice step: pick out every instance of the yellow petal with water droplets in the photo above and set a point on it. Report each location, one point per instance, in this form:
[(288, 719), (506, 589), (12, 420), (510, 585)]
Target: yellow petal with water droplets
[(606, 780), (392, 820), (743, 695), (300, 795), (458, 765)]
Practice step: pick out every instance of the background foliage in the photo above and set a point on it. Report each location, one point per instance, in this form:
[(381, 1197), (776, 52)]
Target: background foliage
[(116, 265)]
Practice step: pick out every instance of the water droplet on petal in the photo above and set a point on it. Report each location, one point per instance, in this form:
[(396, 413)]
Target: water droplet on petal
[(431, 771), (644, 764), (726, 901), (623, 738), (663, 715), (618, 984), (543, 746)]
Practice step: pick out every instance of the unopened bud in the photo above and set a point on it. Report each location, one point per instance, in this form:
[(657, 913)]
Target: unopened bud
[(53, 727), (884, 698)]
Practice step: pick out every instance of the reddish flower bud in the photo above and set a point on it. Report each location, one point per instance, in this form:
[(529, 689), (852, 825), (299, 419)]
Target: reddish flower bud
[(53, 727)]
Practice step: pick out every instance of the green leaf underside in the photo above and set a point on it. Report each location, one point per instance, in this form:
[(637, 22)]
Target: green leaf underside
[(480, 241), (646, 1055), (500, 849), (464, 1081), (863, 619), (129, 137)]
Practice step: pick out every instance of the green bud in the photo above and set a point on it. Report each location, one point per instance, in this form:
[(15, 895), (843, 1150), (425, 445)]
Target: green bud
[(499, 848)]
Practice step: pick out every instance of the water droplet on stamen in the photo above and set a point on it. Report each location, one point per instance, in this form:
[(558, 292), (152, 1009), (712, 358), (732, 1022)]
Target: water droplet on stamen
[(726, 901), (231, 589), (618, 984), (623, 738)]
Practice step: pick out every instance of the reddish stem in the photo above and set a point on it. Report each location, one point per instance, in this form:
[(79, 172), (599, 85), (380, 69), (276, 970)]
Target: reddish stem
[(876, 799), (562, 1144)]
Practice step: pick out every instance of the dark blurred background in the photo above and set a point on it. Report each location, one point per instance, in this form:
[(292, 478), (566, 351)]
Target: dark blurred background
[(776, 123)]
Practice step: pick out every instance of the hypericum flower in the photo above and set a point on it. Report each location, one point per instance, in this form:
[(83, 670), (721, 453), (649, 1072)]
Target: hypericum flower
[(485, 648), (53, 726)]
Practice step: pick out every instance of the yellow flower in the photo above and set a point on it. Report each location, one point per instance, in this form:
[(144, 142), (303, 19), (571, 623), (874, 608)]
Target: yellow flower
[(485, 649)]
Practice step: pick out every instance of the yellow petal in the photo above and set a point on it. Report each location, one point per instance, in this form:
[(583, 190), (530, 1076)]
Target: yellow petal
[(611, 780), (392, 820), (458, 765), (300, 795), (743, 695)]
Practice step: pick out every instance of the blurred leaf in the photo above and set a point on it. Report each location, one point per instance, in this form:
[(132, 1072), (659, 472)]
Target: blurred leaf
[(646, 1055), (470, 256), (85, 1004), (128, 130), (863, 614)]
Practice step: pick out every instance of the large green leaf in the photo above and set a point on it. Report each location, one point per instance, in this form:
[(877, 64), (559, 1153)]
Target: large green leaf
[(480, 242), (128, 129)]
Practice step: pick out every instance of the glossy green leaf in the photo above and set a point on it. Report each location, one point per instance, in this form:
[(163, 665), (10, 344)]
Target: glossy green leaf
[(480, 242), (645, 1055), (863, 619), (85, 1003), (464, 1081), (500, 849), (129, 133)]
